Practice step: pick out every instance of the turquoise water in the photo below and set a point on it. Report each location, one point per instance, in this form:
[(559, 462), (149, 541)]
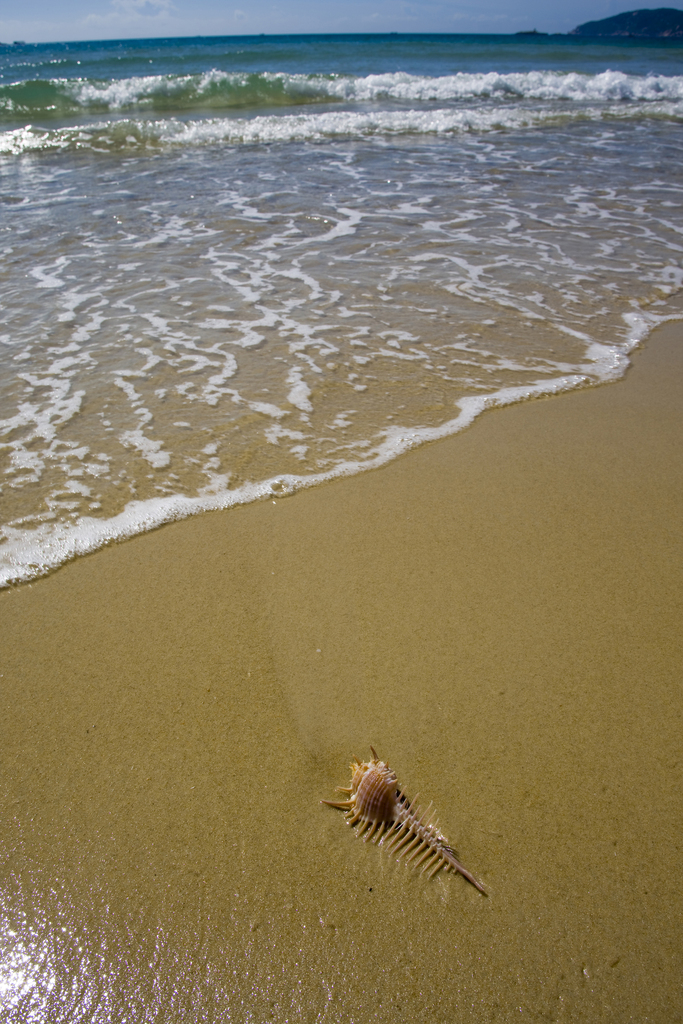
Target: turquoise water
[(432, 55), (59, 81), (236, 267)]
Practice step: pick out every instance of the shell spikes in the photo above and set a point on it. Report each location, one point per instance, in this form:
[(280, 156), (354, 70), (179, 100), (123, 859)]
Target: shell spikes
[(386, 815)]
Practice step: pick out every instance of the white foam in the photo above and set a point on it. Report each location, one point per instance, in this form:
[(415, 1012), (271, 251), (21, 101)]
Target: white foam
[(125, 92), (143, 360), (301, 127), (264, 129), (299, 393), (27, 555), (608, 86), (148, 448)]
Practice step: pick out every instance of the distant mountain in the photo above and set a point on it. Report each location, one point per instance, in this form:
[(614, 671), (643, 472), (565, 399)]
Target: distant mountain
[(663, 23)]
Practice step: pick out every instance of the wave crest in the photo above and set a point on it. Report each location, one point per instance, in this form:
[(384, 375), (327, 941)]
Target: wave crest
[(139, 135), (220, 90)]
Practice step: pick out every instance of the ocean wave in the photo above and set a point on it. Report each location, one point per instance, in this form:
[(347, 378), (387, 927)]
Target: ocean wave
[(219, 90), (606, 87), (139, 135)]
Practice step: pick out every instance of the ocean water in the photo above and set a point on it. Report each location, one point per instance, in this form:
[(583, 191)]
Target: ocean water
[(232, 268)]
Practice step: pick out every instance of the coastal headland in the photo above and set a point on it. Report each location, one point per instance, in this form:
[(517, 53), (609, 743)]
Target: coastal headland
[(660, 23), (498, 614)]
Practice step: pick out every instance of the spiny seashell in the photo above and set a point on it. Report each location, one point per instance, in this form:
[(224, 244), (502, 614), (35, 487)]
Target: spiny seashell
[(377, 801)]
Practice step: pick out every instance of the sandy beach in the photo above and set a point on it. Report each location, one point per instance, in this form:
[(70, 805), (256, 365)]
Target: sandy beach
[(498, 614)]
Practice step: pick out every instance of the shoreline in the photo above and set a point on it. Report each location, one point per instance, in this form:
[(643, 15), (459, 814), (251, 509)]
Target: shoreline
[(54, 545), (497, 613)]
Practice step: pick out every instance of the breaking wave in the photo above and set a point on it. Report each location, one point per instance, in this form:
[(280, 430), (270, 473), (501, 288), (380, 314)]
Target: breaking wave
[(219, 90), (140, 135)]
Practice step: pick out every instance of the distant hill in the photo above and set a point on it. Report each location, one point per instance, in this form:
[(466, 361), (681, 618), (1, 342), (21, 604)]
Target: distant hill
[(663, 23)]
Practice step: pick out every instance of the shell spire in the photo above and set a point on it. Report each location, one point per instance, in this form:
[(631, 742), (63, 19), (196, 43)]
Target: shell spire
[(377, 804)]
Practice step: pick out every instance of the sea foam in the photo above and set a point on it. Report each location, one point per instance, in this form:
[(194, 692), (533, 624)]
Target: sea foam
[(251, 283), (136, 135)]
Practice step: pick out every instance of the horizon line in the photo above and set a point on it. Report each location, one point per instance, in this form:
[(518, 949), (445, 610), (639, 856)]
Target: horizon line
[(534, 33)]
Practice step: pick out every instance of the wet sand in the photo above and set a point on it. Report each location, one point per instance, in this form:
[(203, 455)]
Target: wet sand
[(499, 614)]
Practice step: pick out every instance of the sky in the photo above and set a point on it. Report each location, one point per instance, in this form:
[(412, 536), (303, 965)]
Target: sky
[(38, 21)]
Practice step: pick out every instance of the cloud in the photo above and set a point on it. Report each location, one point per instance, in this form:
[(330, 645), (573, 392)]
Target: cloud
[(479, 18), (133, 12), (143, 8)]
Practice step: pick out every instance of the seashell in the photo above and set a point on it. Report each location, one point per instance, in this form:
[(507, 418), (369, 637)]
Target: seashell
[(386, 815)]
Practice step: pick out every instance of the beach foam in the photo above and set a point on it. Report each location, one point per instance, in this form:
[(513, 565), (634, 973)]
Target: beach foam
[(235, 331), (223, 284), (25, 555), (136, 135)]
